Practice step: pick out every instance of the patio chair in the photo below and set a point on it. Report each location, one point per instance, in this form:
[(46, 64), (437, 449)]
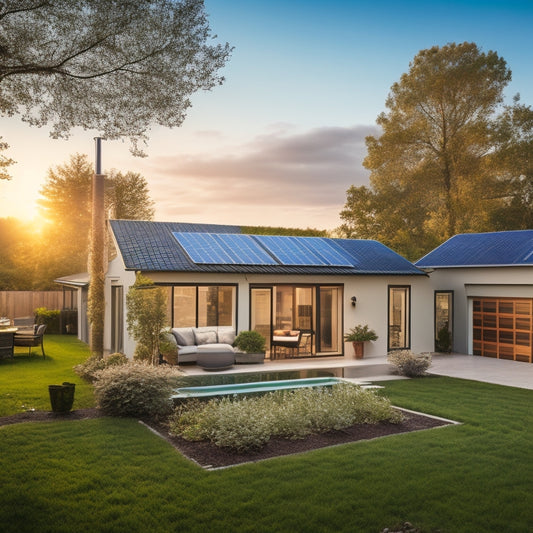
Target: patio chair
[(287, 339), (31, 339)]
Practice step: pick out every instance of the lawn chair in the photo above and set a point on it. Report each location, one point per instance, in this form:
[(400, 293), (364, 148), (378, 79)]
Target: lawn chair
[(31, 339)]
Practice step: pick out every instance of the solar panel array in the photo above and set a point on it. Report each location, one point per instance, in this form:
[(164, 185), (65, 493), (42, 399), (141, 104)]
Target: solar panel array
[(239, 249), (223, 249)]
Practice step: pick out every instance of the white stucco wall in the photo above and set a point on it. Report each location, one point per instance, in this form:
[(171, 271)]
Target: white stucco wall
[(468, 283), (371, 293)]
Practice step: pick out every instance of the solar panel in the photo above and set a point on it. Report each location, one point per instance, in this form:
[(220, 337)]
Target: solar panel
[(202, 248), (303, 251), (244, 250), (223, 249), (328, 251)]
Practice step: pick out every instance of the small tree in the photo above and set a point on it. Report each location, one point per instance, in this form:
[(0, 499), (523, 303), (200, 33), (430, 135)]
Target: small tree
[(147, 315)]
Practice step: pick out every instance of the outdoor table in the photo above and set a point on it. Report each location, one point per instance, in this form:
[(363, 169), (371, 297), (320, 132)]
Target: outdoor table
[(7, 335)]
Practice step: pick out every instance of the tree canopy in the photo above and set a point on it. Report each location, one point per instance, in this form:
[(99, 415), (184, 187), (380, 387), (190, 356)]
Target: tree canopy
[(34, 256), (449, 157), (114, 66)]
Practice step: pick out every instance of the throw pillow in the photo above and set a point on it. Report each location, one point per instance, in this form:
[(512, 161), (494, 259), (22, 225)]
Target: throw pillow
[(184, 336), (205, 337), (226, 336)]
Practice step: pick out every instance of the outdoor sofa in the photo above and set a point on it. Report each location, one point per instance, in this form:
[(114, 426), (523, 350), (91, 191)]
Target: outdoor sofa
[(193, 341)]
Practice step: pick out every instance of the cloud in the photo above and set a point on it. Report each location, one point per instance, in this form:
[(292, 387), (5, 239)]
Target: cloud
[(279, 178)]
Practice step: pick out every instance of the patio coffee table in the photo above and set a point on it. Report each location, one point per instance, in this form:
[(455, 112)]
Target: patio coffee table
[(215, 360)]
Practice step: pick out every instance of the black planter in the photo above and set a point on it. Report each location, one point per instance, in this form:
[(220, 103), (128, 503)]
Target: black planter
[(61, 397)]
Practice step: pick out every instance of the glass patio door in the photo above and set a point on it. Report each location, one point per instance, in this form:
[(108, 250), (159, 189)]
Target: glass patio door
[(261, 312), (329, 338)]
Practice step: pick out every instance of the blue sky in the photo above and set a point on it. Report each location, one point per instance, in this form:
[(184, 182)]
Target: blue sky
[(282, 140)]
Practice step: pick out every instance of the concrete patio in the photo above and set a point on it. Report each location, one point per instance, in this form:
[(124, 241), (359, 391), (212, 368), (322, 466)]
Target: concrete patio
[(372, 369)]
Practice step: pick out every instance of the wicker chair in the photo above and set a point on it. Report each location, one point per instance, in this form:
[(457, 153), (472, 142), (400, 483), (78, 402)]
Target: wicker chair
[(31, 339)]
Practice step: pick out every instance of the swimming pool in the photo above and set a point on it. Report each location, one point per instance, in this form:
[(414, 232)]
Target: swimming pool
[(252, 387)]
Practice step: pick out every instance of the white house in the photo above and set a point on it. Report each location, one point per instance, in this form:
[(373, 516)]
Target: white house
[(483, 286), (216, 276)]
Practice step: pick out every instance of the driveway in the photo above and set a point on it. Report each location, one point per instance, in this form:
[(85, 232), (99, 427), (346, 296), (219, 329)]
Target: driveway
[(498, 371)]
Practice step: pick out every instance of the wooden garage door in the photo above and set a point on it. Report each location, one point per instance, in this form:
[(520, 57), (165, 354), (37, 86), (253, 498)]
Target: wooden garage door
[(503, 328)]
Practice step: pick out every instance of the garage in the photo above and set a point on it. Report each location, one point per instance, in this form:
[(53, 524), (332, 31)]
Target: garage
[(502, 328)]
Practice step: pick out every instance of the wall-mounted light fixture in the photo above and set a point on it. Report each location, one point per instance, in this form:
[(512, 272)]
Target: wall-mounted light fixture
[(354, 301)]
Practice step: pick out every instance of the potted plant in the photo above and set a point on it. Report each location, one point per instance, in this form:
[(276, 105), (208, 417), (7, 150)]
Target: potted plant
[(358, 336), (250, 346)]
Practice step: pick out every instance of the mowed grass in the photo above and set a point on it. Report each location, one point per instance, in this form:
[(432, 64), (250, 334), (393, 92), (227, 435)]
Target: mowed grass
[(24, 379), (114, 475)]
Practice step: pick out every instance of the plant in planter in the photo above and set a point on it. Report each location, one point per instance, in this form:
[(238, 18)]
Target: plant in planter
[(251, 346), (358, 335)]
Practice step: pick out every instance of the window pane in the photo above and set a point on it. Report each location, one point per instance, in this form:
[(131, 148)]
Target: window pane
[(398, 317), (184, 307)]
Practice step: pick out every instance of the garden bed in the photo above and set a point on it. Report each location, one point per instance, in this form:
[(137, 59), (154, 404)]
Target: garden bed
[(209, 455)]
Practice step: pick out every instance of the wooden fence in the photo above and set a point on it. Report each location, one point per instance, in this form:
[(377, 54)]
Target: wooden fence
[(16, 304)]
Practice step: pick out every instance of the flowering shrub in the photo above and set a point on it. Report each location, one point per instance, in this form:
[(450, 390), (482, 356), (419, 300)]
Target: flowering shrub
[(136, 390), (247, 423), (408, 364), (93, 364)]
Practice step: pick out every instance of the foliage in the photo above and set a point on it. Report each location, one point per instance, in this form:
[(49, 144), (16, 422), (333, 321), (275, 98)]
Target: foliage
[(88, 369), (146, 317), (135, 390), (92, 63), (4, 161), (248, 423), (409, 364), (360, 333), (444, 340), (274, 230), (250, 342), (445, 162), (50, 317)]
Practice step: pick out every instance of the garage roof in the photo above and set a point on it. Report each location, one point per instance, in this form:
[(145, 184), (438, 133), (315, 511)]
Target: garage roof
[(503, 248)]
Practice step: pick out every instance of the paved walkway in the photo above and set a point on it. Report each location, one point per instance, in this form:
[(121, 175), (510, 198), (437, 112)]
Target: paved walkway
[(487, 369)]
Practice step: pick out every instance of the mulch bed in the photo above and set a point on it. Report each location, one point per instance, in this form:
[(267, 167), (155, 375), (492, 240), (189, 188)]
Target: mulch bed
[(208, 455)]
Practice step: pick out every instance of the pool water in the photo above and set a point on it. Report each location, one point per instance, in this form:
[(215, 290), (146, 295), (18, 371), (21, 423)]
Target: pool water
[(229, 379), (252, 387)]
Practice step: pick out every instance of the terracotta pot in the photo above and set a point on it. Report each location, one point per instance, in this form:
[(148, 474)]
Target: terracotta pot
[(359, 349)]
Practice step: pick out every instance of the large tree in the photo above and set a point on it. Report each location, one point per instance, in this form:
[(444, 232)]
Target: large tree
[(434, 171), (114, 66), (65, 206)]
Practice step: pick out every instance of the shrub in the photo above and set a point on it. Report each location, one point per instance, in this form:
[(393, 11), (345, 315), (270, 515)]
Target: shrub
[(136, 390), (50, 317), (408, 364), (93, 364), (248, 423)]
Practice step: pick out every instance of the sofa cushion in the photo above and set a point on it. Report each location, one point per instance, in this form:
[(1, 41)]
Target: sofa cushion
[(205, 337), (184, 336), (226, 334), (187, 350), (216, 347)]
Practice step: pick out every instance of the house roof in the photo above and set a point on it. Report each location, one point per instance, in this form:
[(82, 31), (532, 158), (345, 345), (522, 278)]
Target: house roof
[(161, 246), (74, 280), (504, 248)]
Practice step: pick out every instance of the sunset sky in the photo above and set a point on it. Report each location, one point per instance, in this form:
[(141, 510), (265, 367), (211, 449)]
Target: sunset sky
[(282, 140)]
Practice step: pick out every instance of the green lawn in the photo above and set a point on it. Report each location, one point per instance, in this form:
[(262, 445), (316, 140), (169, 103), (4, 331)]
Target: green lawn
[(114, 475), (24, 379)]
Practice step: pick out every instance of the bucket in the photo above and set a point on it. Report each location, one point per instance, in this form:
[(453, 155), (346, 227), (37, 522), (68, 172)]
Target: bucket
[(61, 397)]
